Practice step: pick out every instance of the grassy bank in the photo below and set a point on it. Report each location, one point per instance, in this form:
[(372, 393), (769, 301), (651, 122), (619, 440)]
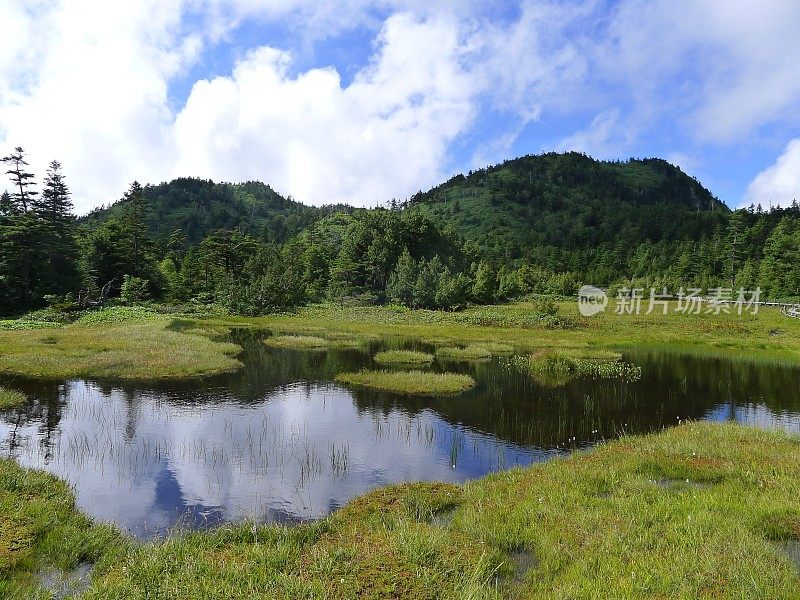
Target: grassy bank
[(768, 336), (700, 510), (40, 531), (131, 343), (117, 343)]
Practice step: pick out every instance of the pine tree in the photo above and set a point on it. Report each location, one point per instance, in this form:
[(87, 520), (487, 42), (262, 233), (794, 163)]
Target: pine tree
[(55, 205), (21, 180), (54, 208), (136, 225)]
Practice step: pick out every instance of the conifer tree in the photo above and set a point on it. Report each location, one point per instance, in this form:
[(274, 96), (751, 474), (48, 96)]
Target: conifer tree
[(22, 181)]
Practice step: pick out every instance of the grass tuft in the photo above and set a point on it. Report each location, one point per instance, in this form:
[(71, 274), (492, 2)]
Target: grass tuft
[(414, 383), (557, 368), (297, 342), (11, 398), (471, 352), (403, 357)]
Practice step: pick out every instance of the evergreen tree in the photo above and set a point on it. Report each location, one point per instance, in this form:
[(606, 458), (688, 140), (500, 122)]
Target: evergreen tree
[(136, 227), (22, 181), (55, 209), (427, 283), (485, 286), (400, 289)]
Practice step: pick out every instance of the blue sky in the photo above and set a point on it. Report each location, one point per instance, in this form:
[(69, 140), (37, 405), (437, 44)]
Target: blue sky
[(359, 102)]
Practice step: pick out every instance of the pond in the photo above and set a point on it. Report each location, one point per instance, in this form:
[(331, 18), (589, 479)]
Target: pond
[(279, 441)]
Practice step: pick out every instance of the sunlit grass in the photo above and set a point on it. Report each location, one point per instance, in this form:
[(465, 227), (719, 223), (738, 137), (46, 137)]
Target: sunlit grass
[(557, 368), (699, 510), (140, 347), (40, 529), (416, 383), (11, 398), (403, 357), (471, 352), (496, 347), (297, 342)]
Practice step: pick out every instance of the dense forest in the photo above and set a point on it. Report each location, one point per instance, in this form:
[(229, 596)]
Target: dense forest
[(535, 225)]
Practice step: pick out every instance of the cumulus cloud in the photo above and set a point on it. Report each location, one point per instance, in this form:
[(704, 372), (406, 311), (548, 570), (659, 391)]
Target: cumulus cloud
[(93, 84), (779, 184), (312, 137)]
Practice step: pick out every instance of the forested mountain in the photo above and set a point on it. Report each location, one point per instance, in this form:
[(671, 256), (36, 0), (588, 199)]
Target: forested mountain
[(569, 212), (199, 207), (534, 225)]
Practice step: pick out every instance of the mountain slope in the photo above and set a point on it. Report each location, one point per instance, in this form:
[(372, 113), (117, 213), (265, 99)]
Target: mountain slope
[(199, 207), (551, 203)]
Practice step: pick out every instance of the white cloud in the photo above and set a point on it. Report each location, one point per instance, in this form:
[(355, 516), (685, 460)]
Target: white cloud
[(385, 134), (780, 183), (89, 82), (95, 96), (601, 139), (728, 68)]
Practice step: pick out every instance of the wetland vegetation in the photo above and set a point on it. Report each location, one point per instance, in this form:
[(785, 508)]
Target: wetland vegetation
[(597, 523), (10, 398), (403, 357), (412, 383)]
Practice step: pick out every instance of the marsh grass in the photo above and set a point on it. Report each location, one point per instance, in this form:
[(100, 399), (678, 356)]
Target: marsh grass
[(746, 338), (297, 342), (403, 358), (129, 344), (496, 347), (41, 530), (347, 341), (557, 368), (413, 383), (11, 398), (473, 352), (588, 525)]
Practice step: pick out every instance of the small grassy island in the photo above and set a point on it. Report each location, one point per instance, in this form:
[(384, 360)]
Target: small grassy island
[(297, 342), (412, 383), (403, 358), (471, 352)]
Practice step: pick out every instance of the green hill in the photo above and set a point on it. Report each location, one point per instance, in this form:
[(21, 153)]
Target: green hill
[(199, 207), (544, 206)]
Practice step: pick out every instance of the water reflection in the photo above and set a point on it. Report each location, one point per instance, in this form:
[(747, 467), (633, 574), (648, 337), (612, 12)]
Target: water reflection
[(280, 442)]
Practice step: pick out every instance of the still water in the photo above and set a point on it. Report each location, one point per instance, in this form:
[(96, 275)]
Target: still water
[(280, 442)]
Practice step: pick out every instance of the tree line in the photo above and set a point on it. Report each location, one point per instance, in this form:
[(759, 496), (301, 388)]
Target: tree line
[(407, 254)]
